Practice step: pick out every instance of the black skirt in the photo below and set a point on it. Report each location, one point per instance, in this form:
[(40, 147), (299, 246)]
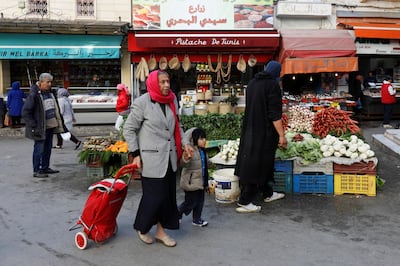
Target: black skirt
[(158, 203)]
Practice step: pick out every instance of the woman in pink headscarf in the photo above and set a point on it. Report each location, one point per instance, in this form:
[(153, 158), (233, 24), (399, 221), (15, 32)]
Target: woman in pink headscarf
[(156, 140)]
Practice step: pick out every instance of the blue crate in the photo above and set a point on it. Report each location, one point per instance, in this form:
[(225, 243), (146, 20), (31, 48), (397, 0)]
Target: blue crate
[(283, 182), (284, 166), (313, 182)]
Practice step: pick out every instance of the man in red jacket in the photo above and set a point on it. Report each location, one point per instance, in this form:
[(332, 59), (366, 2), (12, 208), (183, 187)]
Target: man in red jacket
[(388, 99)]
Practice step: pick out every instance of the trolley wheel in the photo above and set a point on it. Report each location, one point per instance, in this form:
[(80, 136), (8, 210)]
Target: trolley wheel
[(116, 229), (81, 240)]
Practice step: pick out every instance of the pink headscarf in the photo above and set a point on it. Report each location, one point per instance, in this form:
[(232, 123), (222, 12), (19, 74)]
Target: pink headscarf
[(155, 94)]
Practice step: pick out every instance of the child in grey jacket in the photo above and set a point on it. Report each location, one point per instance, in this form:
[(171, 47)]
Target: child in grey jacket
[(194, 177)]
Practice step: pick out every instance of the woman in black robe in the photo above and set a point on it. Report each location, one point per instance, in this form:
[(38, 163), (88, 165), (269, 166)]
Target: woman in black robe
[(262, 132)]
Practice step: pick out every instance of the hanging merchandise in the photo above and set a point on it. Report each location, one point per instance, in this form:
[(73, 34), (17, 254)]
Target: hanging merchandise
[(174, 63), (227, 76), (210, 66), (142, 70), (152, 63), (186, 63), (163, 64), (252, 61), (241, 64)]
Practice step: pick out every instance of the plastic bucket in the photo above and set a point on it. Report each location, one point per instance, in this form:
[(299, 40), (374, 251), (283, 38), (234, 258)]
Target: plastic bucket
[(227, 185), (188, 110)]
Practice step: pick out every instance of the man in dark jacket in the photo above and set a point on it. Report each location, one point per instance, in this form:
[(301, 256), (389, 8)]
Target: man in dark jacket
[(262, 132), (42, 117)]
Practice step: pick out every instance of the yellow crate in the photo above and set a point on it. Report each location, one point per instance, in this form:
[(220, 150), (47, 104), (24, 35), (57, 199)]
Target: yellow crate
[(355, 184)]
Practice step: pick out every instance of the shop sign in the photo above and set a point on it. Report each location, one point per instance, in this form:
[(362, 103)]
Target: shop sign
[(215, 40), (294, 9), (7, 52), (202, 15), (391, 48)]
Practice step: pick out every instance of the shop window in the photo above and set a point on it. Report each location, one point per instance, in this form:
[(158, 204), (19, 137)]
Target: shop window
[(86, 8), (38, 7)]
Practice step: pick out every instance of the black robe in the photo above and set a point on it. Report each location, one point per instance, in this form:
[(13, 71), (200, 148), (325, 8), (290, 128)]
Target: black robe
[(259, 139)]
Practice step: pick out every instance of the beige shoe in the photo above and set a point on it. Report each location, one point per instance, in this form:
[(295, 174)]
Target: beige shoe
[(146, 238), (166, 241)]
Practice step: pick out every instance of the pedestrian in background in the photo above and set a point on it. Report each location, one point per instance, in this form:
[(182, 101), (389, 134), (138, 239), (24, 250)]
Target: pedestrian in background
[(15, 103), (155, 138), (262, 132), (42, 117), (3, 111), (68, 115), (194, 177), (122, 107), (388, 99)]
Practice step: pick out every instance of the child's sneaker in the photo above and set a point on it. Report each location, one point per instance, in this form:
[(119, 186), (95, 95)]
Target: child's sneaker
[(199, 223)]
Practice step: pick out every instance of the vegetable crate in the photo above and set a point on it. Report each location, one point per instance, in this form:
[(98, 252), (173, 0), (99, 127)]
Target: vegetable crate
[(93, 160), (326, 168), (355, 168), (96, 172), (283, 176), (283, 182), (313, 182), (355, 184)]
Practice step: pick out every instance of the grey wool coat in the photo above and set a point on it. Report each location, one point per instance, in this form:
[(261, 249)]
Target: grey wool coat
[(150, 134)]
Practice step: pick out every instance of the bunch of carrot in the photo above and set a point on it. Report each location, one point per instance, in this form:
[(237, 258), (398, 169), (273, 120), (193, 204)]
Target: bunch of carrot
[(334, 122)]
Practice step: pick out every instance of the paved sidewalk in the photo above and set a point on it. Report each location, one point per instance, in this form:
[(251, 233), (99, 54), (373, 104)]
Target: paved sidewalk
[(35, 215)]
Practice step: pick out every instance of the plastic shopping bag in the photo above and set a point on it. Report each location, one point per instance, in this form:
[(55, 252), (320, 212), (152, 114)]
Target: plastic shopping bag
[(119, 122)]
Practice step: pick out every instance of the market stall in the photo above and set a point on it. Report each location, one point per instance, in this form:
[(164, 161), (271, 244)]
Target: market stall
[(314, 61), (326, 154)]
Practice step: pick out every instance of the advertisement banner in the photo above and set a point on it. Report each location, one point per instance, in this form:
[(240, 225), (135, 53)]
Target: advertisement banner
[(202, 15)]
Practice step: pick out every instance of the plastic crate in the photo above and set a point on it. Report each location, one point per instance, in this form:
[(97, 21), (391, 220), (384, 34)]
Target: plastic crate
[(355, 184), (283, 182), (313, 182), (284, 166), (96, 172), (355, 168), (326, 168), (93, 160)]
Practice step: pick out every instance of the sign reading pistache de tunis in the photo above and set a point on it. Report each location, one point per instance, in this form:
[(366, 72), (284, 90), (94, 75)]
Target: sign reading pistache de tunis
[(202, 15)]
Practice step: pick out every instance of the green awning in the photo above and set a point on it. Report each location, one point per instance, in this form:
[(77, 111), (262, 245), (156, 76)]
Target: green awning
[(55, 46)]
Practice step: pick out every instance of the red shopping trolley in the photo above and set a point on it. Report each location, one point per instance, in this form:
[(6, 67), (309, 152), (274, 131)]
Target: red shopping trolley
[(99, 215)]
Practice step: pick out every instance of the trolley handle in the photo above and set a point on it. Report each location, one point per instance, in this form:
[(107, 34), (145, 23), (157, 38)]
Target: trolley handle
[(126, 169)]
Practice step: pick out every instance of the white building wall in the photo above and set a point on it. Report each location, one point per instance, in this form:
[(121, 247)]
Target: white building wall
[(106, 10)]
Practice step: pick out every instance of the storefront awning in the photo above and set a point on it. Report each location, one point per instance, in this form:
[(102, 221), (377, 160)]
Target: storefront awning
[(319, 65), (55, 46), (375, 30), (316, 51)]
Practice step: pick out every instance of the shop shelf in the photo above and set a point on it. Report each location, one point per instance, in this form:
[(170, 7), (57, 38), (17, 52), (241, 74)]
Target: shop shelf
[(283, 182), (355, 168), (324, 167), (313, 182), (284, 166), (355, 184)]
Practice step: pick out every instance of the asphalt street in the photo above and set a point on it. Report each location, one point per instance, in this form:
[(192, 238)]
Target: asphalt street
[(302, 229)]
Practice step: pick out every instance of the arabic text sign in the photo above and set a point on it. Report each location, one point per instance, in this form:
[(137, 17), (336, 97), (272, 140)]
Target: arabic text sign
[(58, 53), (201, 15)]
